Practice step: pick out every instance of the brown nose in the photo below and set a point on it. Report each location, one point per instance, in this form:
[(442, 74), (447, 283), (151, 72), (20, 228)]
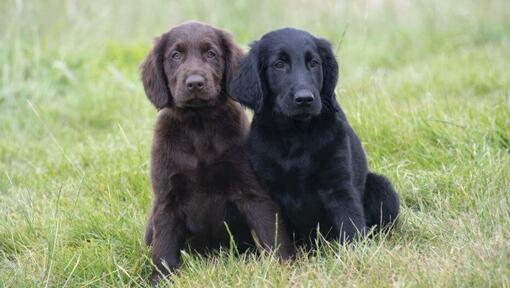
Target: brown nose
[(195, 82)]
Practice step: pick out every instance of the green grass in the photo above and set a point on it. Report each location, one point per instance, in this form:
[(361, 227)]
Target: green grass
[(426, 85)]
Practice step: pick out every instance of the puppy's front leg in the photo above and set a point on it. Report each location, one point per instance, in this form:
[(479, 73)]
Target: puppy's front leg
[(346, 210), (264, 217), (167, 241)]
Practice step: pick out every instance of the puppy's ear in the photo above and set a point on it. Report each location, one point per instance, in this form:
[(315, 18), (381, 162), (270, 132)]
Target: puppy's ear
[(233, 56), (247, 87), (329, 67), (153, 75)]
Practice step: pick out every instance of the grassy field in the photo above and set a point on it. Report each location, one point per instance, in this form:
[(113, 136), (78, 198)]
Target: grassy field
[(426, 85)]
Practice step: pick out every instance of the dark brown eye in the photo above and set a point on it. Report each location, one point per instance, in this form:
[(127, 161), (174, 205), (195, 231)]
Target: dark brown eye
[(314, 63), (211, 53), (176, 55), (279, 64)]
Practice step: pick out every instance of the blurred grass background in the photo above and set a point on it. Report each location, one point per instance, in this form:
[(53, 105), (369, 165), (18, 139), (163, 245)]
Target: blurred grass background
[(425, 84)]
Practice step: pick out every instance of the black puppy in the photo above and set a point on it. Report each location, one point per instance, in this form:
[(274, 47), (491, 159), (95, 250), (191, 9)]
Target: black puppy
[(301, 146)]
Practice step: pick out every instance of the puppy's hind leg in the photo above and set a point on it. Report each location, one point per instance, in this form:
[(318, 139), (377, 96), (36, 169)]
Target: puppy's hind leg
[(149, 225), (149, 231), (381, 203)]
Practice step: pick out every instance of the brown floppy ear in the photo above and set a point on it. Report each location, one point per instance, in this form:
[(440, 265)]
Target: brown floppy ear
[(233, 56), (153, 75)]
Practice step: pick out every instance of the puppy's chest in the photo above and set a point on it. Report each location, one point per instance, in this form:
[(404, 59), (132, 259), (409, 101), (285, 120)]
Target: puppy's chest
[(294, 160), (207, 148), (204, 146), (297, 169)]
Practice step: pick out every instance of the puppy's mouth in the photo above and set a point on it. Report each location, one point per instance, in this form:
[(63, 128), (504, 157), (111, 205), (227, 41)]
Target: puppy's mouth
[(195, 103), (302, 116)]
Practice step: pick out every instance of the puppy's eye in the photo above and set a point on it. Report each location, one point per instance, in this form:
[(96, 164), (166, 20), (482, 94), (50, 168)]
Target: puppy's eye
[(210, 54), (279, 64), (314, 63), (176, 55)]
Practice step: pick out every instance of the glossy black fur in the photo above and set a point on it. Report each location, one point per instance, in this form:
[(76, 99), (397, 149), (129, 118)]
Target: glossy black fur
[(307, 156)]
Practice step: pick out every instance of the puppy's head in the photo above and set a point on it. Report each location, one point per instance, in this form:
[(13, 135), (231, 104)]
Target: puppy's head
[(190, 66), (288, 72)]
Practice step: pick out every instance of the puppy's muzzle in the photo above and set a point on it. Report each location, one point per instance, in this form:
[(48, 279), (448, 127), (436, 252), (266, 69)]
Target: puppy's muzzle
[(303, 98), (195, 83)]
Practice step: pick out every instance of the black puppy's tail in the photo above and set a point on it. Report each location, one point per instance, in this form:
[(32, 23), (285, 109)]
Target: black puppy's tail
[(380, 202)]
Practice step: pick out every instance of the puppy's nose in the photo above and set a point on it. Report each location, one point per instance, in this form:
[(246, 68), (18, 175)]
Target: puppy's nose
[(303, 97), (195, 82)]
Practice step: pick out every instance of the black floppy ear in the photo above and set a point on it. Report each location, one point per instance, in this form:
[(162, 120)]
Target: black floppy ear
[(329, 68), (247, 87), (233, 56), (153, 75)]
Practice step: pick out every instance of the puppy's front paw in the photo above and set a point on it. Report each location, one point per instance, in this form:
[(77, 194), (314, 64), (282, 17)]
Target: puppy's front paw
[(155, 278)]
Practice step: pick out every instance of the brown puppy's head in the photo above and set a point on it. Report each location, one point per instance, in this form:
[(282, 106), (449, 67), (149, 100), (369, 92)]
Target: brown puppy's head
[(190, 66)]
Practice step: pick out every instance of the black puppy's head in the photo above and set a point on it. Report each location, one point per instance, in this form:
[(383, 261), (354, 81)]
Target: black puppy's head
[(290, 73)]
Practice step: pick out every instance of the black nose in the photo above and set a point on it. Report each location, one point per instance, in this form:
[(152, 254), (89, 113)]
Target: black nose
[(303, 97), (195, 82)]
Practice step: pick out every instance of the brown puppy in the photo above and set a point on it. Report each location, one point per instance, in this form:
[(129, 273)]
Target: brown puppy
[(200, 174)]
